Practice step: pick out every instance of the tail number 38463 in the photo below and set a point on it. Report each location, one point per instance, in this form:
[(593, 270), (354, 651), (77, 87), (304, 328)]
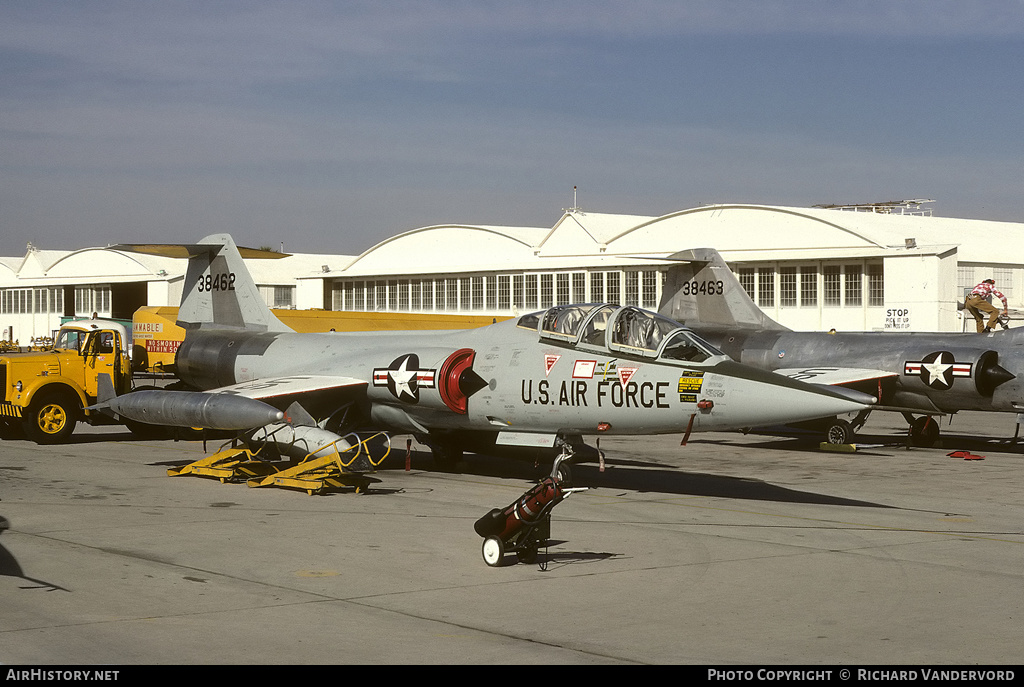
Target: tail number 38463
[(225, 281)]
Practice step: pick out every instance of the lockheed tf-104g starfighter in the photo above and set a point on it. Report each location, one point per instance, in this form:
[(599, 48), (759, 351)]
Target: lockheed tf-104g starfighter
[(547, 379)]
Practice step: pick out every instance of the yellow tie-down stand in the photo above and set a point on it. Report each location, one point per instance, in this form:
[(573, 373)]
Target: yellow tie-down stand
[(313, 473), (335, 469), (228, 465)]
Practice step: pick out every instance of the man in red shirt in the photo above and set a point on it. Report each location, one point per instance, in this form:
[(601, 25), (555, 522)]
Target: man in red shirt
[(976, 304)]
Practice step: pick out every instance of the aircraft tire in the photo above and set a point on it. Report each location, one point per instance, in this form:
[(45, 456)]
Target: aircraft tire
[(446, 457), (493, 551), (839, 432), (924, 432)]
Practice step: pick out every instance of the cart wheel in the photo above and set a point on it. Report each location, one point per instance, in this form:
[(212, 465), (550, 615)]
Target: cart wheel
[(528, 554), (493, 551)]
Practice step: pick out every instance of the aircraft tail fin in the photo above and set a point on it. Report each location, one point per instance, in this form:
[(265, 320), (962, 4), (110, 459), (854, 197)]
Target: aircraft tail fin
[(218, 291), (702, 290)]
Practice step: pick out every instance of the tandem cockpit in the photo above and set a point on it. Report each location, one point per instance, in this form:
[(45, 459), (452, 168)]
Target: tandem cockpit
[(620, 329)]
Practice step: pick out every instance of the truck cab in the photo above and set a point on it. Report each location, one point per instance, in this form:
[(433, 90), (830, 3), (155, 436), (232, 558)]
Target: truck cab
[(47, 391)]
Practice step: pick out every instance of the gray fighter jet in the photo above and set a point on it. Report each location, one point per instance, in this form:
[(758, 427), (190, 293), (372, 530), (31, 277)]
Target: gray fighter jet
[(921, 375), (545, 380)]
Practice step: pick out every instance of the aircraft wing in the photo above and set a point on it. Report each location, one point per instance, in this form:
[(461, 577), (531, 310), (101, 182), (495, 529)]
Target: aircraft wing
[(835, 376), (316, 393)]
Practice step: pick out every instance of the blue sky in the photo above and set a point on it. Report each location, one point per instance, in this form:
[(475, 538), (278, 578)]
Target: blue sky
[(330, 126)]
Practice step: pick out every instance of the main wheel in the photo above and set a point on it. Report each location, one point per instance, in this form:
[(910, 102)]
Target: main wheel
[(924, 431), (446, 457), (493, 551), (51, 417)]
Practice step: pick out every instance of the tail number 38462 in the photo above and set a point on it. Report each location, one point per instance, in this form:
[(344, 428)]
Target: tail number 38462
[(225, 281)]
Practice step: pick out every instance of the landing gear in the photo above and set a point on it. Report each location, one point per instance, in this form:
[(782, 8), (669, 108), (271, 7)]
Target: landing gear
[(839, 432), (446, 456), (924, 431)]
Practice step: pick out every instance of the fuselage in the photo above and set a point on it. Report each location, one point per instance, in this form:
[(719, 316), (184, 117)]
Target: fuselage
[(510, 377), (933, 371)]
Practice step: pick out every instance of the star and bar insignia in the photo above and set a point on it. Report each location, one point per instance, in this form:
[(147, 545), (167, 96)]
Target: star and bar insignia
[(937, 370), (404, 378)]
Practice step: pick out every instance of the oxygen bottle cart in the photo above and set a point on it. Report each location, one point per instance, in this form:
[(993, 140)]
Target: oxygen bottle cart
[(524, 524)]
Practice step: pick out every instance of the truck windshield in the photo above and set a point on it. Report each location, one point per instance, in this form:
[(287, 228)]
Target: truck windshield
[(69, 340)]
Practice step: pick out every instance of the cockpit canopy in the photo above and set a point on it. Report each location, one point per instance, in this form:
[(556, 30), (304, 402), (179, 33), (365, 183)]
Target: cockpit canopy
[(619, 329)]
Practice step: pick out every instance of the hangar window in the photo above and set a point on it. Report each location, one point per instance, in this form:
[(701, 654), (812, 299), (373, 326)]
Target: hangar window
[(597, 287), (613, 293), (808, 286), (284, 296), (632, 288), (452, 302), (415, 298), (766, 288), (831, 280), (876, 286), (428, 294), (531, 291), (504, 295), (579, 287), (854, 288), (650, 289), (477, 293), (90, 299), (746, 277), (518, 298), (547, 290), (562, 282), (1004, 281), (787, 287)]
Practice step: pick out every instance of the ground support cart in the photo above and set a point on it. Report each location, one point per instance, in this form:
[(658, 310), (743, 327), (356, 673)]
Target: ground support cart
[(524, 525)]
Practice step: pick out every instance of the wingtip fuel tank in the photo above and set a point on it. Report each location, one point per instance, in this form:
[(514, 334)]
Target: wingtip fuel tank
[(194, 409)]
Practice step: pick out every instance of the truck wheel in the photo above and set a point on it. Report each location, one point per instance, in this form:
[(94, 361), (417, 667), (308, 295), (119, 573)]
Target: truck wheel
[(51, 418)]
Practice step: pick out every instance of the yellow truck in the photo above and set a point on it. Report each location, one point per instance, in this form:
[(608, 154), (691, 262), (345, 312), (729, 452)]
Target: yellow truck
[(46, 392)]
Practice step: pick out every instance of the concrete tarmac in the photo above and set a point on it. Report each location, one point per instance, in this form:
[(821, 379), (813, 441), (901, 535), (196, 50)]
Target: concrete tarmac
[(735, 549)]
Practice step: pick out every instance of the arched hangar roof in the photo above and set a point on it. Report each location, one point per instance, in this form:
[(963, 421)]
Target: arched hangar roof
[(448, 246), (738, 231)]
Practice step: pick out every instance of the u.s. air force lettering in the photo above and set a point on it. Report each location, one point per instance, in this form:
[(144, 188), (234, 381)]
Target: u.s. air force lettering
[(578, 393)]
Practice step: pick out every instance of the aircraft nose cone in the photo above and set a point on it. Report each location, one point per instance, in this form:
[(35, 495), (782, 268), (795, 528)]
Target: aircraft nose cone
[(992, 376)]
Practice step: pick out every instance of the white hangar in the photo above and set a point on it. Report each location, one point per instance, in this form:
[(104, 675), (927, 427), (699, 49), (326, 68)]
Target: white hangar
[(882, 266), (37, 290)]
